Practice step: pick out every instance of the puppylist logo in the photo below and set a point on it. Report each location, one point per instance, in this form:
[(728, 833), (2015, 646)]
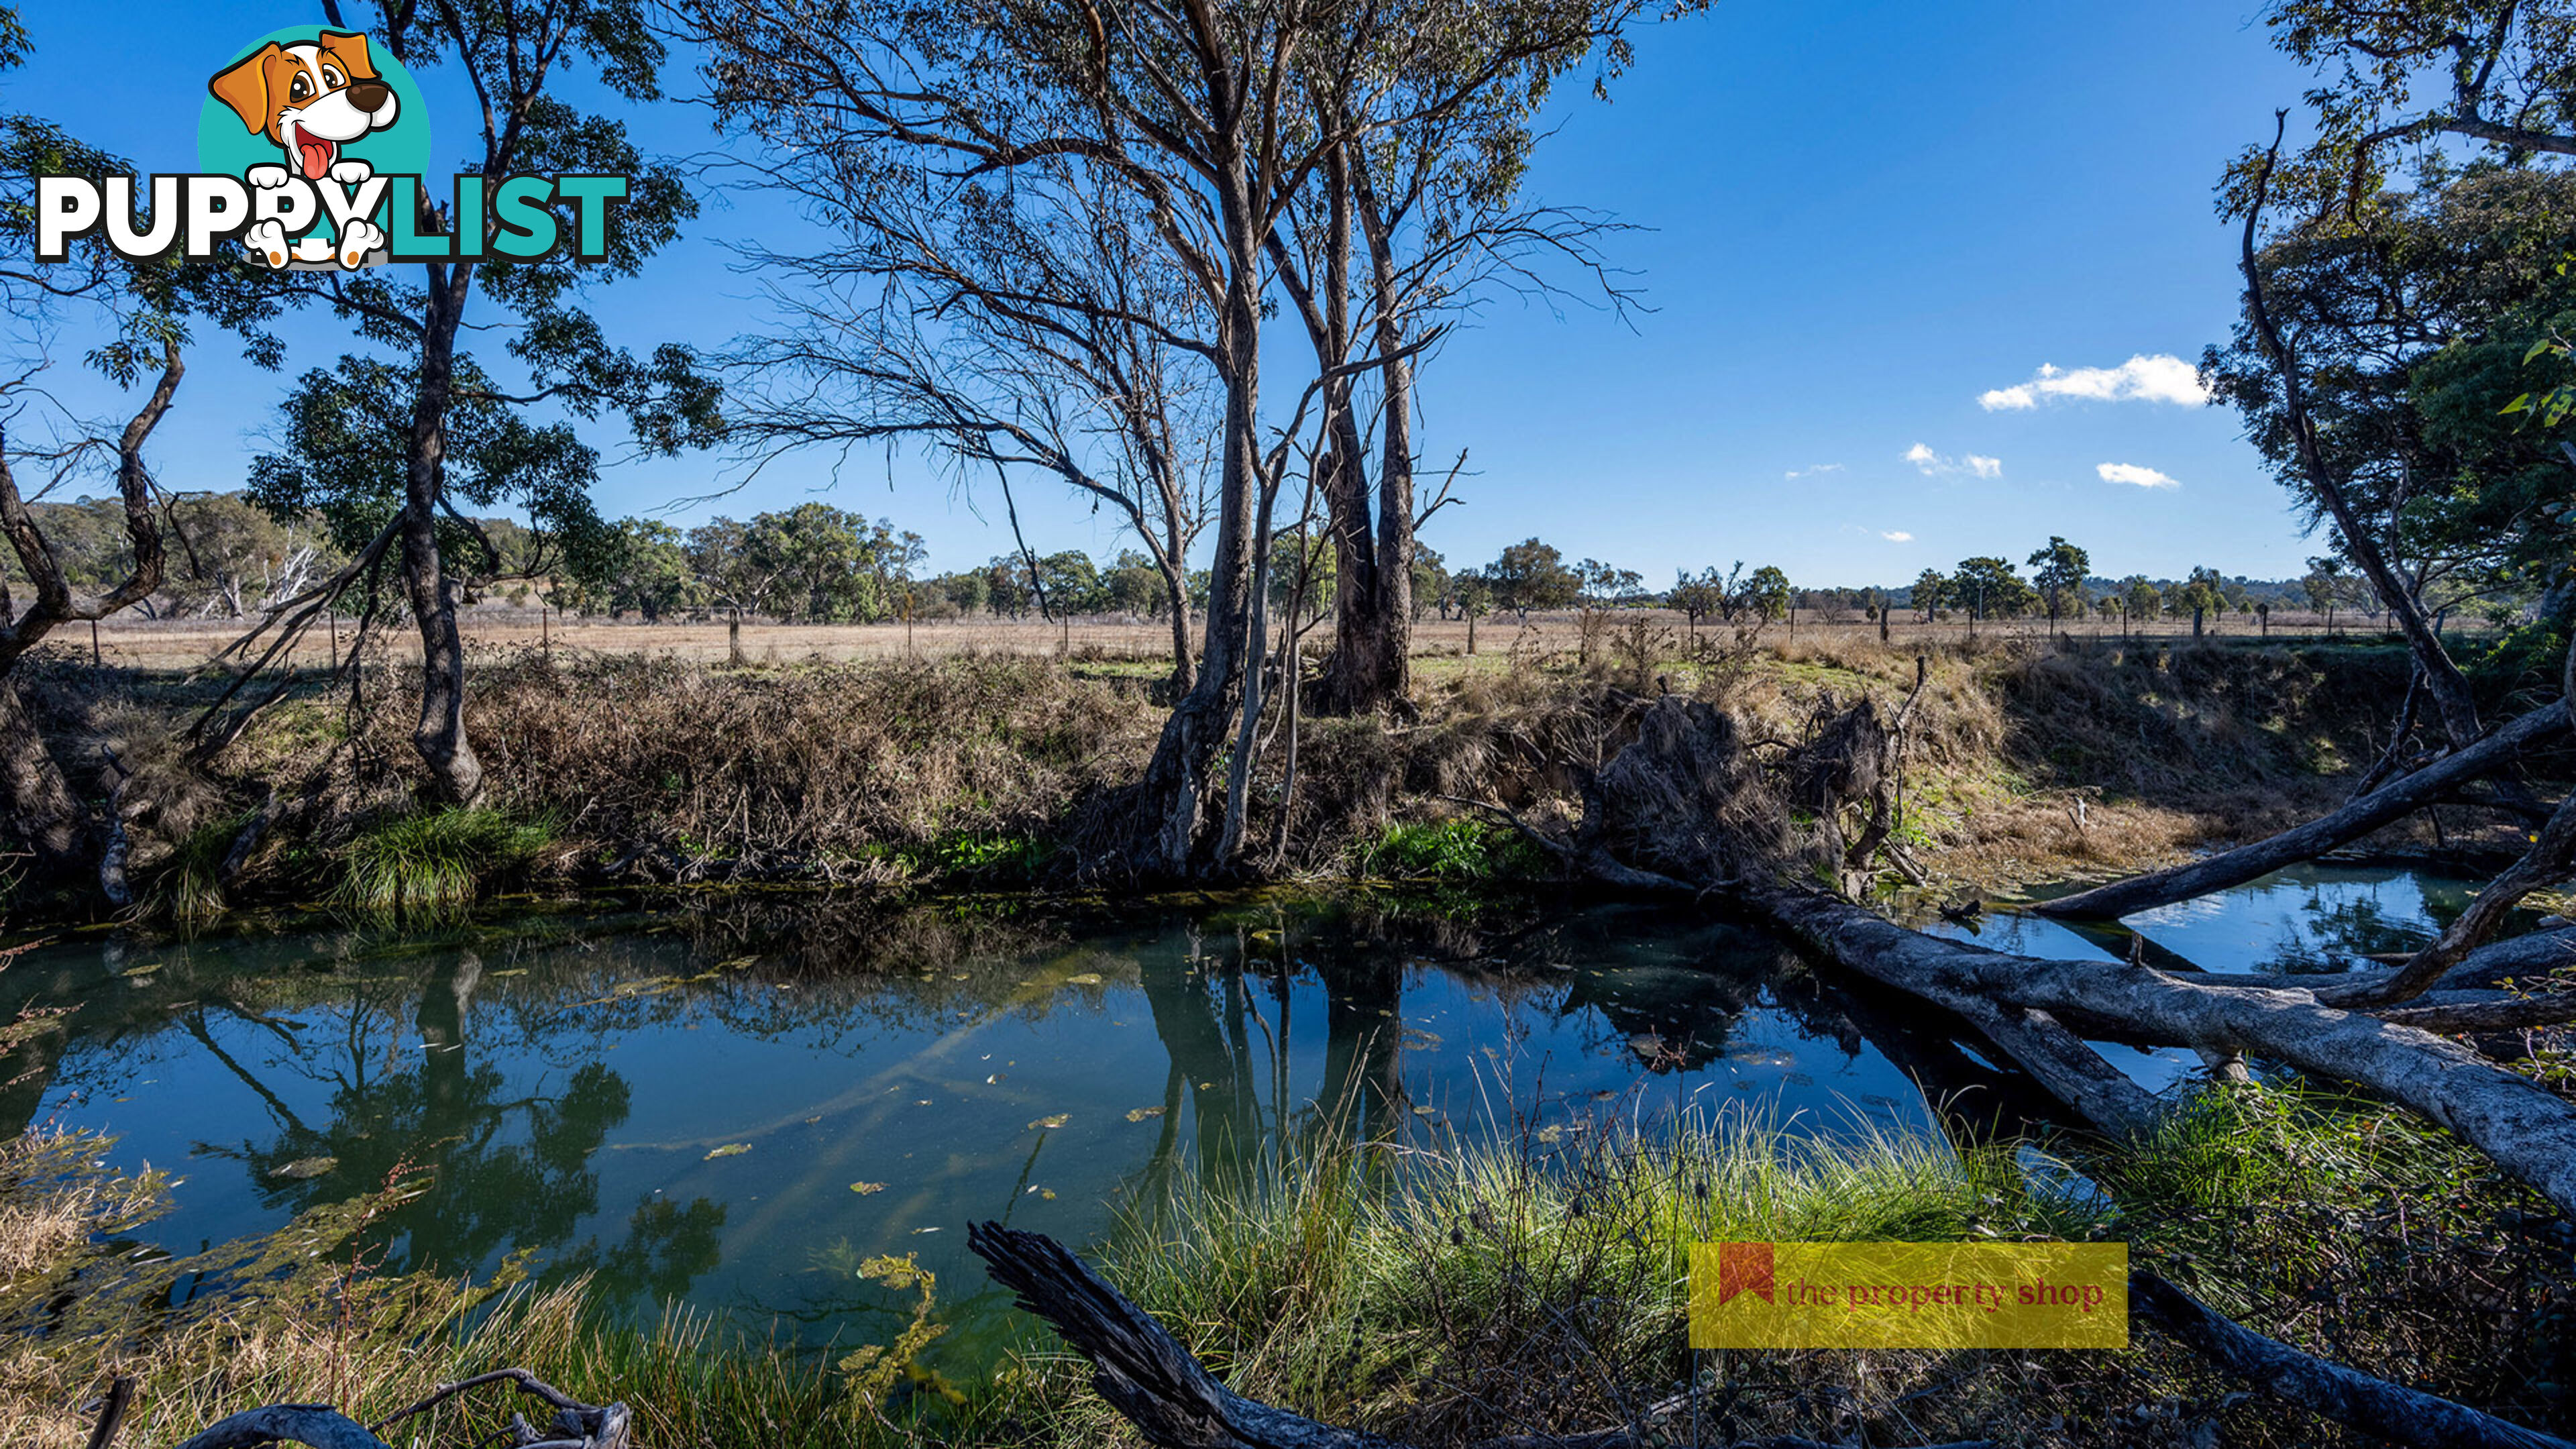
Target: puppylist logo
[(313, 153)]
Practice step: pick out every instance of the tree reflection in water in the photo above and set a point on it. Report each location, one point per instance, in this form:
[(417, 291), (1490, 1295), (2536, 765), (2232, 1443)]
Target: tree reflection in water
[(812, 1032)]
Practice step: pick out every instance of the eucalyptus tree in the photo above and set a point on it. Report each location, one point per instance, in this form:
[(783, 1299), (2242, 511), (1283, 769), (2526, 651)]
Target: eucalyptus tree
[(1408, 219), (1189, 128), (2380, 344), (2499, 74), (2058, 571), (138, 315), (518, 58), (1059, 338)]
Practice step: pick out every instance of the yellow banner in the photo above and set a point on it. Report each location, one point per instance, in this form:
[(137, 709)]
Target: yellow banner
[(1909, 1295)]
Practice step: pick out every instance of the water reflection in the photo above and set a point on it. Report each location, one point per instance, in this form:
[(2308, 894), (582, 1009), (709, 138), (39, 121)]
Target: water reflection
[(682, 1102)]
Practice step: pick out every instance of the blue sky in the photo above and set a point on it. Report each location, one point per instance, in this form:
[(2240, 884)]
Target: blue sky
[(1858, 221)]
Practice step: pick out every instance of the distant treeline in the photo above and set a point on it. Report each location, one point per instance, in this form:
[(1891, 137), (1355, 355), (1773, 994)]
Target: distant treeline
[(814, 563)]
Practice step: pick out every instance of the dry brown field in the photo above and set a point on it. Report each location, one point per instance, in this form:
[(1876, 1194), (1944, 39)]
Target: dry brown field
[(185, 644)]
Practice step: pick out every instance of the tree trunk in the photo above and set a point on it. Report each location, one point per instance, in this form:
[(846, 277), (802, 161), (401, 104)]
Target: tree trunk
[(2392, 801), (1176, 589), (2442, 677), (1167, 832), (455, 773)]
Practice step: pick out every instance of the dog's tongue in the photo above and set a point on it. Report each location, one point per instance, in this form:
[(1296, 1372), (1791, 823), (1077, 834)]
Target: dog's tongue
[(316, 155)]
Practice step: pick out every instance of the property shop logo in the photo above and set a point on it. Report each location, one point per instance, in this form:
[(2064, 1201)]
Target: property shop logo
[(313, 153)]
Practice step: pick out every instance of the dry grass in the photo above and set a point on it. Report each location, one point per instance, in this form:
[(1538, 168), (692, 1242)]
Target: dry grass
[(183, 644), (2026, 761)]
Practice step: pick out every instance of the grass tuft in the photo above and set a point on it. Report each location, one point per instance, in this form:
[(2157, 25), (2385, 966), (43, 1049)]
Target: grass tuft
[(433, 866)]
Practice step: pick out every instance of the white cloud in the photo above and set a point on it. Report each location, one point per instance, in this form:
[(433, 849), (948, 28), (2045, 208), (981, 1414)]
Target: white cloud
[(2132, 473), (1812, 470), (2163, 378), (1897, 535), (1934, 465)]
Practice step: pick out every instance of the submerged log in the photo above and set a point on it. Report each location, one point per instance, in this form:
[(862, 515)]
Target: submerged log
[(2389, 803)]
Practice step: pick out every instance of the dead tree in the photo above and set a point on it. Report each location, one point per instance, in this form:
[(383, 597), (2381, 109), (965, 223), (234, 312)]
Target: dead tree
[(2434, 784)]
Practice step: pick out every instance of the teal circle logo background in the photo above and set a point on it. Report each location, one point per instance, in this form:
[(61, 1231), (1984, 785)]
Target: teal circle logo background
[(226, 146)]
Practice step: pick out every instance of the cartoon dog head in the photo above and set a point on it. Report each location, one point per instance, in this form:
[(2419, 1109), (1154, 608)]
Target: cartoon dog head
[(310, 99)]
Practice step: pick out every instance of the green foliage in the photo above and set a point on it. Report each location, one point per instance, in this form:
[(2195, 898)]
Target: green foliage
[(1018, 858), (1531, 575), (433, 866), (1767, 594), (1460, 849), (2058, 571), (812, 564), (347, 434), (188, 891), (2422, 317), (1989, 589)]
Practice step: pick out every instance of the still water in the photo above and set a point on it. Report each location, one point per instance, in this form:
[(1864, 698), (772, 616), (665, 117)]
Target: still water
[(727, 1102)]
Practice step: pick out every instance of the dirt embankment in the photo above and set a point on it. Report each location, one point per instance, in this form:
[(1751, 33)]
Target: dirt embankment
[(2025, 761)]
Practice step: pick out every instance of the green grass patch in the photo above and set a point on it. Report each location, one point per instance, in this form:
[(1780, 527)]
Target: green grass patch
[(434, 866), (1459, 849)]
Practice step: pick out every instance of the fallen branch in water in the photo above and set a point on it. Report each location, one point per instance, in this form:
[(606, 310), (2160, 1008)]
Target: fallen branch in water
[(2390, 802), (1688, 806)]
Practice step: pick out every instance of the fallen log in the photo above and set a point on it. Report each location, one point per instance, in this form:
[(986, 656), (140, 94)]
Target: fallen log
[(1174, 1401), (2344, 1395), (1686, 803), (2528, 1130), (2390, 802), (2493, 1012), (2516, 958)]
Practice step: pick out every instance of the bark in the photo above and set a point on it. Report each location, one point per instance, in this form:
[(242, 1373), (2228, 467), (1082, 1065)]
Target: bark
[(2376, 1406), (575, 1425), (1167, 826), (2453, 1013), (2392, 801), (318, 1425), (455, 772)]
